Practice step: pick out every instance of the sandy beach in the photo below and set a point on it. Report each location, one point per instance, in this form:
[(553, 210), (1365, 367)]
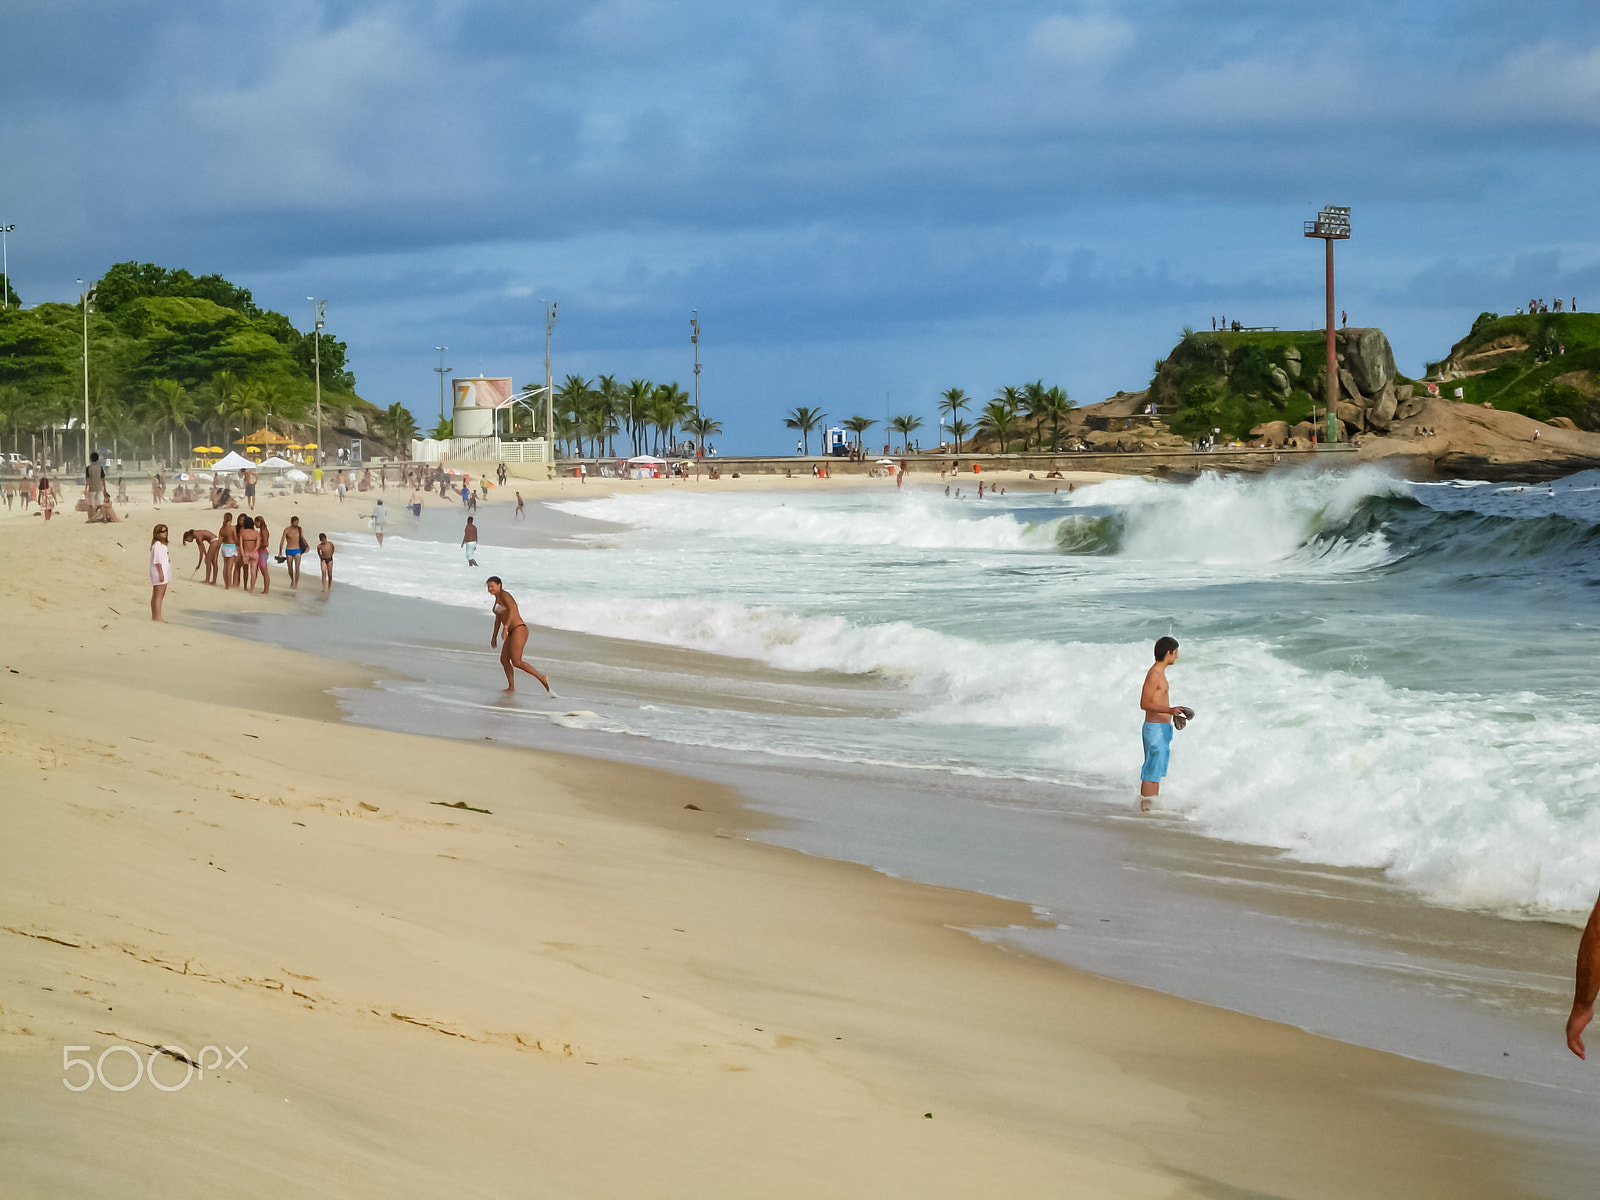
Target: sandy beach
[(600, 986)]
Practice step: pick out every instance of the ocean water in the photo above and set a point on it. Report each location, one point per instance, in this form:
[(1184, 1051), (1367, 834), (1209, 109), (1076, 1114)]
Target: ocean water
[(1388, 675)]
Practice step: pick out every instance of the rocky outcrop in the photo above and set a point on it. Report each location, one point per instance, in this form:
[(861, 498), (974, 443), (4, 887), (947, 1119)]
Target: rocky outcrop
[(350, 422), (1369, 358), (1444, 439), (1484, 357), (1272, 433)]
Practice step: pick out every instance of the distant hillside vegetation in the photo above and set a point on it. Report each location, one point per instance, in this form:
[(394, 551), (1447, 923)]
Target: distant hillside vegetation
[(171, 352), (1543, 365)]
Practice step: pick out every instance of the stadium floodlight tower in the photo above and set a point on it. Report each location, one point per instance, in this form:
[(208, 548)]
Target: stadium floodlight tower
[(1332, 225)]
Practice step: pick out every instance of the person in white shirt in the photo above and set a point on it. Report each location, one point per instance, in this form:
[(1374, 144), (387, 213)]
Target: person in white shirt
[(380, 517), (160, 571)]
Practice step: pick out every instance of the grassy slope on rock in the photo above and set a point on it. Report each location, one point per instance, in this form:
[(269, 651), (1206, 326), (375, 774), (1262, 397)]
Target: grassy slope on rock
[(1524, 370), (1224, 381)]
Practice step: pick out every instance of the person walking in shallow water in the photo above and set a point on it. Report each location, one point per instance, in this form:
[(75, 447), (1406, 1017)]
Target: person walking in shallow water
[(507, 615), (1159, 713)]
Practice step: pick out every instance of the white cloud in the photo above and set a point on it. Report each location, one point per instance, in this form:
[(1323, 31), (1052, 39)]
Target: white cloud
[(1080, 40)]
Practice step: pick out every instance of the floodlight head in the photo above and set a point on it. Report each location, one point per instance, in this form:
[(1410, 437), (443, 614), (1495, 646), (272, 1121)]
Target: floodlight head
[(1332, 223)]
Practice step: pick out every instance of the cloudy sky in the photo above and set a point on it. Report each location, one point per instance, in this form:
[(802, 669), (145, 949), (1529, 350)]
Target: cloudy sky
[(867, 202)]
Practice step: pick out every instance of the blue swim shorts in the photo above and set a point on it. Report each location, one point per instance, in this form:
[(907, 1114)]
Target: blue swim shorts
[(1157, 748)]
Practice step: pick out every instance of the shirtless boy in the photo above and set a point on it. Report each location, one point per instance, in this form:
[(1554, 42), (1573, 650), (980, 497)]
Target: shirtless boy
[(293, 545), (1158, 713), (325, 554)]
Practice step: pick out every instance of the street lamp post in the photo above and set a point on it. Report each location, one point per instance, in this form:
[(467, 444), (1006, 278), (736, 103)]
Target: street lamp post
[(87, 299), (1332, 225), (5, 268), (440, 370), (319, 310), (550, 307)]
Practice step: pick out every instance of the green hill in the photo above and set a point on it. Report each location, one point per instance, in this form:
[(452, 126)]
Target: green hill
[(1237, 381), (1543, 365), (171, 353)]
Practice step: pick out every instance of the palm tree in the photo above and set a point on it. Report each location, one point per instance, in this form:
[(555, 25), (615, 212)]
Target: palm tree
[(959, 428), (1059, 406), (574, 397), (859, 425), (220, 396), (566, 428), (663, 414), (402, 425), (952, 402), (672, 403), (805, 420), (443, 430), (905, 426), (637, 398), (1036, 403), (1000, 419), (608, 400), (168, 405), (703, 427)]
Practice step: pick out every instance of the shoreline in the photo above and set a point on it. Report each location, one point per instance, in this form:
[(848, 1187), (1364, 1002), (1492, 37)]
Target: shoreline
[(1040, 1071)]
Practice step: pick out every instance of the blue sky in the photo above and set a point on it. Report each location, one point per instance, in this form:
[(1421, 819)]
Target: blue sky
[(867, 202)]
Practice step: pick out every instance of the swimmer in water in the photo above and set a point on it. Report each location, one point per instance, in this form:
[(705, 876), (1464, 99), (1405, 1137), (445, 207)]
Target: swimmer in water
[(507, 615)]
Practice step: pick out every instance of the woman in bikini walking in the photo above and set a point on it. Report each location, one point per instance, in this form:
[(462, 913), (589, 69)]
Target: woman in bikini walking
[(507, 615)]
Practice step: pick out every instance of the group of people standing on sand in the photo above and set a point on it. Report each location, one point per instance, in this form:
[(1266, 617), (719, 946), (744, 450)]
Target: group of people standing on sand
[(240, 552)]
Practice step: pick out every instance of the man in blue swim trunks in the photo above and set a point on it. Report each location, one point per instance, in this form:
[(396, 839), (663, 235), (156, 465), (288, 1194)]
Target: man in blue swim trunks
[(292, 544), (1158, 713)]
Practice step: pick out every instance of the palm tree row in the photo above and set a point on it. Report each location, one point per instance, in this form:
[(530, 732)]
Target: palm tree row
[(600, 410), (1004, 416), (157, 418)]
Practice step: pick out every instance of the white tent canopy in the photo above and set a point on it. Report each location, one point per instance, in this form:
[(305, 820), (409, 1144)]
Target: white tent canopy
[(233, 461), (276, 463), (644, 460)]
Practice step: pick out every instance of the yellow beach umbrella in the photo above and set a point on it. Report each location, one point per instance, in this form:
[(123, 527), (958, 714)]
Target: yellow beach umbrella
[(202, 449), (309, 446)]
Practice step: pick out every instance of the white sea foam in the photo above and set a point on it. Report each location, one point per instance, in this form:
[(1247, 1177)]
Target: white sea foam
[(1217, 520), (1473, 800)]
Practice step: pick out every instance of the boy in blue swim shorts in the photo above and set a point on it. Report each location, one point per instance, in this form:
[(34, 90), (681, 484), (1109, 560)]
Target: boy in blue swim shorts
[(1159, 712)]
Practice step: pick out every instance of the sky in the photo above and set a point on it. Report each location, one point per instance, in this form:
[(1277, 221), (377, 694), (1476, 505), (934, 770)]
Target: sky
[(866, 202)]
